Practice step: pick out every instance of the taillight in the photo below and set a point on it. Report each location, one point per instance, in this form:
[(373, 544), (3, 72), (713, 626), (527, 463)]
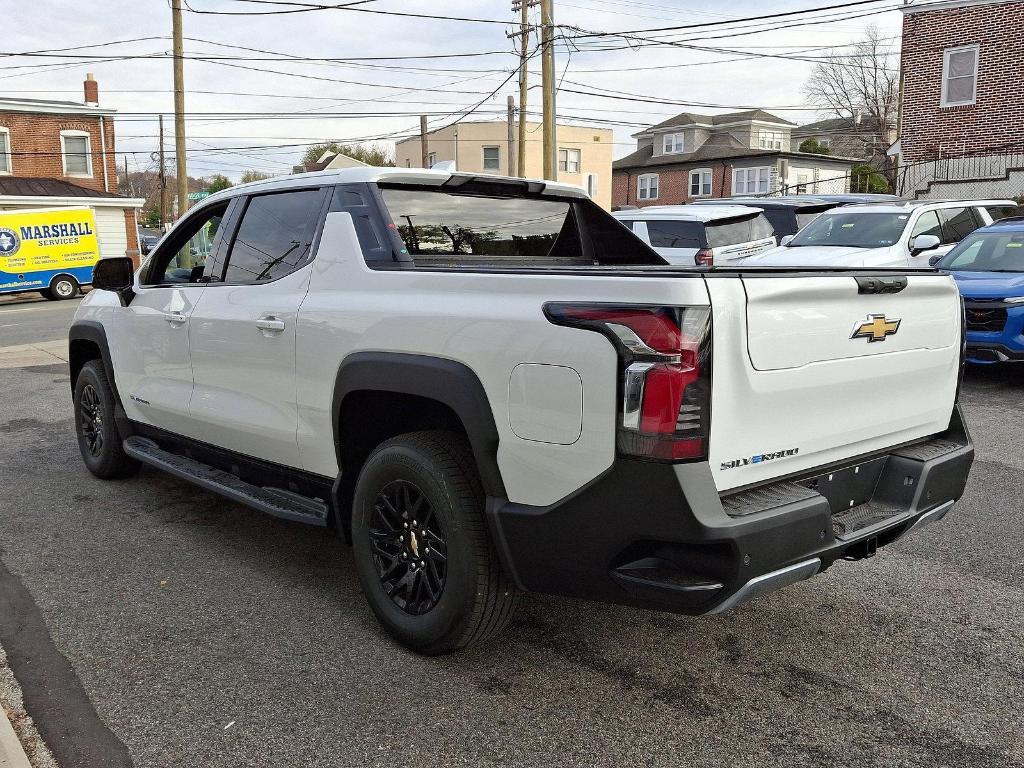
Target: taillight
[(665, 374), (704, 258)]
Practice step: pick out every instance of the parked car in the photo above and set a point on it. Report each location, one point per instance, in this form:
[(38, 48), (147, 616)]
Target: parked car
[(700, 235), (988, 266), (147, 243), (787, 215), (488, 385), (878, 235)]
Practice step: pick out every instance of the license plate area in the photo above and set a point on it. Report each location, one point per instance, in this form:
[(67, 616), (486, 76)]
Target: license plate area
[(849, 486)]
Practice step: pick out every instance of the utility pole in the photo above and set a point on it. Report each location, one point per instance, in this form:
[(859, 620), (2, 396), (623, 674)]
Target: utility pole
[(424, 144), (163, 177), (179, 107), (511, 136), (127, 183), (547, 74), (523, 6)]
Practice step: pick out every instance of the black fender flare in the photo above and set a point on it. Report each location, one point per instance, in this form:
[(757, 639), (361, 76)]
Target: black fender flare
[(449, 382), (95, 333)]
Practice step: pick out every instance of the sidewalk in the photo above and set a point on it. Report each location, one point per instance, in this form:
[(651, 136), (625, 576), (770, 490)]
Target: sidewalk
[(15, 723), (24, 355)]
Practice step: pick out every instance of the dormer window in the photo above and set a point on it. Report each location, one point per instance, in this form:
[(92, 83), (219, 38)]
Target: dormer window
[(673, 144), (769, 139)]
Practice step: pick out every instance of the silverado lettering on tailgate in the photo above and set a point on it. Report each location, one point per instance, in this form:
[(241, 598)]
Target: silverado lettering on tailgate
[(760, 458)]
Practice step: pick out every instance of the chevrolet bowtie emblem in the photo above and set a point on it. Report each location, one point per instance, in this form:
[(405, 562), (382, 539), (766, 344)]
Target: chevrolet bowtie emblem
[(875, 328)]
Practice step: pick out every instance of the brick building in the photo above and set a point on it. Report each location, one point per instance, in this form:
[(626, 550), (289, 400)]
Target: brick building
[(56, 154), (699, 156), (963, 99)]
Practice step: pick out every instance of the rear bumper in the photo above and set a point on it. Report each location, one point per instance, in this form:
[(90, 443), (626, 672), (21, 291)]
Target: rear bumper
[(659, 536)]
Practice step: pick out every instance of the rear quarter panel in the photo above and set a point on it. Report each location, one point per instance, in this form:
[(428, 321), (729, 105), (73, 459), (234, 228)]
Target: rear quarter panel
[(491, 323)]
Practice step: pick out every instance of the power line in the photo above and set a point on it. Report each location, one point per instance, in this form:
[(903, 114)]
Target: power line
[(308, 7)]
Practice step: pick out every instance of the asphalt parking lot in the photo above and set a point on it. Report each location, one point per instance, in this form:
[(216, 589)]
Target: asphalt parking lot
[(154, 624)]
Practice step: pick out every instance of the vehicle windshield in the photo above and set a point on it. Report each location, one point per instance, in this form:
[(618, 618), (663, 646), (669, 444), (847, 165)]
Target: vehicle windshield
[(803, 218), (853, 230), (987, 252)]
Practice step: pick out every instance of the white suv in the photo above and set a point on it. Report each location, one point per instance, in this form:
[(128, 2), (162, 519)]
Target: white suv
[(701, 235), (880, 235)]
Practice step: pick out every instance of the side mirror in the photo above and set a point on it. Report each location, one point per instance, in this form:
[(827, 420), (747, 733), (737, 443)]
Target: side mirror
[(933, 260), (784, 240), (113, 274), (923, 243)]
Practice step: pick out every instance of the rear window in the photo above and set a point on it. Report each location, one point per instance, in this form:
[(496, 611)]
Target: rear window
[(676, 234), (443, 228), (735, 231)]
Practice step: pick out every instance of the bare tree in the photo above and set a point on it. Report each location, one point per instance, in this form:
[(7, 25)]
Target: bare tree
[(862, 86)]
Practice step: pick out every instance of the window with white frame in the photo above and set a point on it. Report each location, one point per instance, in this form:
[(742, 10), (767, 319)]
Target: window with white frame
[(647, 187), (700, 182), (492, 158), (959, 76), (5, 150), (746, 181), (673, 144), (770, 139), (825, 143), (431, 159), (76, 152), (569, 160)]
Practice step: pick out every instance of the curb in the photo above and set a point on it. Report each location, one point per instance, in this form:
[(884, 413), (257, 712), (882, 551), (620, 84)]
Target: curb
[(12, 754)]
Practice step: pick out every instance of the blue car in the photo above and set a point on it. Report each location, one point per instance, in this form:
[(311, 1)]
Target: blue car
[(988, 266)]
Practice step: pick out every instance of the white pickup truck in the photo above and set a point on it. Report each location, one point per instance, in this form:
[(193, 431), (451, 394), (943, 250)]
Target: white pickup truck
[(489, 386)]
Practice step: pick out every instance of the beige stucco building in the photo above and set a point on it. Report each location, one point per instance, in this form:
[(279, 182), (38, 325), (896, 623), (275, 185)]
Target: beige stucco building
[(584, 153)]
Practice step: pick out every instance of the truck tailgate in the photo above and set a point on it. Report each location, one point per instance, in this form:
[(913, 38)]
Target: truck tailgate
[(809, 371)]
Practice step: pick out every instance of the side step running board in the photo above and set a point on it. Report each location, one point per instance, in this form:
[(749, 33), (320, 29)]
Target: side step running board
[(272, 501)]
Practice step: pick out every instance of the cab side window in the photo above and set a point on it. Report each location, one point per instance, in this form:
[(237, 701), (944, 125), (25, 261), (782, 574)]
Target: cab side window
[(275, 236), (182, 258), (958, 223)]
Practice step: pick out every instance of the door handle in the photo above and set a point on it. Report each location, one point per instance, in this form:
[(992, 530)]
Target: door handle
[(270, 324), (174, 318)]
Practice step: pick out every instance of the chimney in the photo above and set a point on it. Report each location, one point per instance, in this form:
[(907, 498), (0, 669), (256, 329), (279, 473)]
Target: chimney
[(92, 91)]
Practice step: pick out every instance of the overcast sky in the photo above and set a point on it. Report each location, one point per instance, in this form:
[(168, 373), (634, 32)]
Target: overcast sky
[(316, 106)]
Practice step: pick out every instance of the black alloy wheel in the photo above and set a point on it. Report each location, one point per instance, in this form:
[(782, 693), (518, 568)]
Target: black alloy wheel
[(90, 418), (408, 547)]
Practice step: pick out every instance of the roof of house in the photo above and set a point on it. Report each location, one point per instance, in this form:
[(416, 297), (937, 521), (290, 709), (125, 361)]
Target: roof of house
[(49, 106), (691, 118), (838, 125), (644, 157), (26, 186)]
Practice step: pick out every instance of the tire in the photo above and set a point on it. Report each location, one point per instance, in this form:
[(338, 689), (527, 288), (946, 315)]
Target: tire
[(62, 287), (423, 488), (98, 437), (47, 294)]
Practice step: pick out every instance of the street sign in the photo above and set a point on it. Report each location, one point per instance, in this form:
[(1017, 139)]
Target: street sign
[(193, 196)]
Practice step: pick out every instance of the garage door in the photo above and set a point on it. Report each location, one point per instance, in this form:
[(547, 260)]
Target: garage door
[(111, 232)]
